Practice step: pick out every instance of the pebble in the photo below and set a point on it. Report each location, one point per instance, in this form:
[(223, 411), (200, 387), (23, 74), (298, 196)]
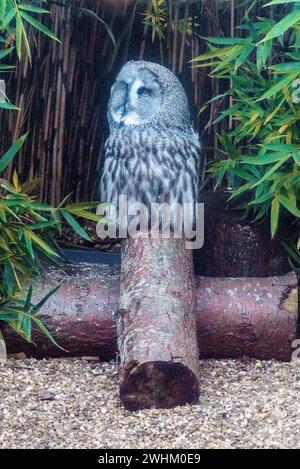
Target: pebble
[(60, 403)]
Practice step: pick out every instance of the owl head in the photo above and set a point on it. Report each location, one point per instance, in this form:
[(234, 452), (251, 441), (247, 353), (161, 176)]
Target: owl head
[(147, 94)]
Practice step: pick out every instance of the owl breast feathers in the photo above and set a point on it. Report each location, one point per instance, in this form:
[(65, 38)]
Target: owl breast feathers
[(152, 152)]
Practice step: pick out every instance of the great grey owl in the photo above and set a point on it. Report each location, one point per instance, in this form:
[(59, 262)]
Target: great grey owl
[(152, 152)]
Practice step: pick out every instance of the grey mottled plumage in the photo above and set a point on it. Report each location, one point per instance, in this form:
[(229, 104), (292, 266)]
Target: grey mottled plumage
[(152, 152)]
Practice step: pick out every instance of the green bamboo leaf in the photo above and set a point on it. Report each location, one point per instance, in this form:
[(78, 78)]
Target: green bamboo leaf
[(277, 2), (216, 53), (10, 14), (8, 105), (28, 244), (266, 158), (10, 154), (2, 214), (206, 64), (75, 225), (38, 306), (8, 278), (38, 25), (27, 327), (35, 205), (221, 172), (280, 147), (14, 311), (43, 328), (82, 206), (240, 190), (62, 203), (41, 225), (263, 52), (290, 205), (274, 112), (2, 8), (32, 8), (279, 85), (243, 174), (41, 243), (28, 298), (261, 199), (5, 52), (7, 315), (271, 171), (229, 147), (262, 211), (229, 40), (275, 206), (19, 34), (108, 29), (283, 25), (28, 186), (294, 254), (296, 157), (85, 214), (242, 57), (286, 67), (6, 67)]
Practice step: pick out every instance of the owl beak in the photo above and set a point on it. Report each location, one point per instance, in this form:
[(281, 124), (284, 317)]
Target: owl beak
[(128, 106)]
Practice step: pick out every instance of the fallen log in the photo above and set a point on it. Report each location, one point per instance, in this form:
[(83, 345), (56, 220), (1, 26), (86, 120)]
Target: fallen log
[(255, 317), (156, 324)]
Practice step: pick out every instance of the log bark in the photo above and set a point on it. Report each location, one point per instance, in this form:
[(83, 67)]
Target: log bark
[(254, 317), (235, 246), (156, 324)]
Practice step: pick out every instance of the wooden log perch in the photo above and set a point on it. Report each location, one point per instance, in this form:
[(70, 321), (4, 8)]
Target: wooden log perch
[(254, 317), (156, 324)]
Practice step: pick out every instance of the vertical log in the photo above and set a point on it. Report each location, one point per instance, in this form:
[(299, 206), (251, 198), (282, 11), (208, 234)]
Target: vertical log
[(156, 324)]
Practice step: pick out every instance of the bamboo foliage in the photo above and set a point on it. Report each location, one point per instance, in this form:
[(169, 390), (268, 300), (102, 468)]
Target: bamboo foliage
[(259, 155), (63, 94), (27, 226)]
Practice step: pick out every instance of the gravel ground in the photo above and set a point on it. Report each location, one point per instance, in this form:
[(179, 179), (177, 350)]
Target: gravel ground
[(74, 404)]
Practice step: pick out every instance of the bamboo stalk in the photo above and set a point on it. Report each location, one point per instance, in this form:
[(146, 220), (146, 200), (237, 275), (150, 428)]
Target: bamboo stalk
[(175, 36), (183, 39), (64, 94)]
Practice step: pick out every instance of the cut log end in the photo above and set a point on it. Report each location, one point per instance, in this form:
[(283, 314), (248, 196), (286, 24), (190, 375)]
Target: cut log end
[(289, 300), (158, 384)]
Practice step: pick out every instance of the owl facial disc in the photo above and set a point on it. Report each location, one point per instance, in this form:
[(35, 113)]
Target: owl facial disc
[(127, 113), (144, 94)]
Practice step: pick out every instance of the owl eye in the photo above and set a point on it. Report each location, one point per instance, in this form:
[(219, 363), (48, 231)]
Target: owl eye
[(143, 91)]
